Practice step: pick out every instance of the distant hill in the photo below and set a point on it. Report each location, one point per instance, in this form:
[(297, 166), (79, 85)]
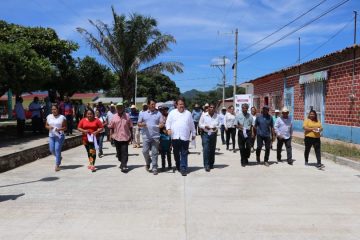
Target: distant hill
[(191, 94)]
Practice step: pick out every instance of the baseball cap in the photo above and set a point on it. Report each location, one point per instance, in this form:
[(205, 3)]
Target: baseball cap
[(133, 106), (120, 104), (277, 110)]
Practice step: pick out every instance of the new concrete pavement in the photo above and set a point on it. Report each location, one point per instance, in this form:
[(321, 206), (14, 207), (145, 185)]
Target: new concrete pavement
[(230, 202)]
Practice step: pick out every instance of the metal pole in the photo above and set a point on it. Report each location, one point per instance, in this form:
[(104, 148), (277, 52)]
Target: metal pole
[(352, 96), (9, 104), (136, 83), (223, 102), (235, 64)]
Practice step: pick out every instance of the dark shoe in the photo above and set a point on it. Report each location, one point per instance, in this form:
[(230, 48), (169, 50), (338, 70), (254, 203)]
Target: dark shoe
[(266, 164), (320, 166), (207, 169), (169, 168), (258, 159), (234, 151), (227, 148), (290, 162), (183, 173), (147, 168), (279, 160), (306, 163), (212, 167), (155, 172), (163, 169), (243, 165)]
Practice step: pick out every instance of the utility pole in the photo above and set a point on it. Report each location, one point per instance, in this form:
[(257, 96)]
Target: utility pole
[(222, 69), (235, 64), (352, 96)]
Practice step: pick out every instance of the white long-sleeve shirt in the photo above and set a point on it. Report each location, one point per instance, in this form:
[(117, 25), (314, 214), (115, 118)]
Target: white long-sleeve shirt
[(181, 125), (207, 121), (283, 127), (229, 120)]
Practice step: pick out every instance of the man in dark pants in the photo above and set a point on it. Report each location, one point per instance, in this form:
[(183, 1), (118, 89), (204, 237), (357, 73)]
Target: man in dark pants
[(209, 123), (121, 132), (244, 123), (222, 124), (264, 126), (283, 129)]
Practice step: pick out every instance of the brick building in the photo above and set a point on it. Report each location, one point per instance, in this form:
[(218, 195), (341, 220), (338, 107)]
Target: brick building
[(330, 85)]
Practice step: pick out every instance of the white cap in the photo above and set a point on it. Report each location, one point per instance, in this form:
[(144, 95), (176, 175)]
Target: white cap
[(277, 110)]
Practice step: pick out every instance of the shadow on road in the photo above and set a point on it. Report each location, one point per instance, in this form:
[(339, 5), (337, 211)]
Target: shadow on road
[(4, 198), (132, 167), (102, 167), (67, 167), (46, 179)]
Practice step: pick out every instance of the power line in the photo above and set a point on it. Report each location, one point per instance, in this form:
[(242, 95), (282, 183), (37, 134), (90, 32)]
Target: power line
[(278, 30), (328, 40), (297, 29)]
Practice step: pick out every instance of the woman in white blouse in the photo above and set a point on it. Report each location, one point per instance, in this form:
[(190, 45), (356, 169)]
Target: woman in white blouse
[(56, 124), (230, 128)]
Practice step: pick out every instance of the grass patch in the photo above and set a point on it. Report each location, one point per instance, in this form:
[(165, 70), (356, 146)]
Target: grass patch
[(336, 149)]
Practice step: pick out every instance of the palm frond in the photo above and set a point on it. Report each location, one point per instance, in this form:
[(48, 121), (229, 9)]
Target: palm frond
[(154, 49), (171, 67)]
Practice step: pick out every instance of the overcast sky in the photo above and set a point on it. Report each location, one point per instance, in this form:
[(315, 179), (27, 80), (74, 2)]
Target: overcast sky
[(204, 30)]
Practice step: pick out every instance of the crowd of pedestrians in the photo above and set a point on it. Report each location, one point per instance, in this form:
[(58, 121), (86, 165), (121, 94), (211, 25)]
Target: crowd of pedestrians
[(165, 132)]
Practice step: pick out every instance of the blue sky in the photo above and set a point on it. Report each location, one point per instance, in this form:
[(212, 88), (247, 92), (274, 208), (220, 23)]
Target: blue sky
[(203, 30)]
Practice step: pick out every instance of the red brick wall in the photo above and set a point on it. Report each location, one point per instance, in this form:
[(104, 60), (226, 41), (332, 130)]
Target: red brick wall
[(339, 109)]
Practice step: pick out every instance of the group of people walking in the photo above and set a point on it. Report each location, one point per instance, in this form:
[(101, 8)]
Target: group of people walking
[(164, 132)]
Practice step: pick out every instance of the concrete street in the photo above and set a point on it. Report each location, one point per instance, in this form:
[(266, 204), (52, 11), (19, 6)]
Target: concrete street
[(231, 202)]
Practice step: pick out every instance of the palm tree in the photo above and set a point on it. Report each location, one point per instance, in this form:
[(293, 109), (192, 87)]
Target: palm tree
[(130, 44)]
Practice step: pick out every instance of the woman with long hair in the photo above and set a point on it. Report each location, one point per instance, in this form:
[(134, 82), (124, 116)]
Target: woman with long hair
[(312, 129), (230, 128), (90, 128), (56, 124)]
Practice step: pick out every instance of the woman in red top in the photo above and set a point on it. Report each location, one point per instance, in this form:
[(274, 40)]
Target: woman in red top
[(90, 128)]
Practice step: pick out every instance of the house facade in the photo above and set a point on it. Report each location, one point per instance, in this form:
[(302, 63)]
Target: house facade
[(330, 85)]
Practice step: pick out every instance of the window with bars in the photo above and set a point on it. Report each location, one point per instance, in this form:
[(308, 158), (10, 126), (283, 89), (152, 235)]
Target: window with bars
[(314, 98), (276, 102)]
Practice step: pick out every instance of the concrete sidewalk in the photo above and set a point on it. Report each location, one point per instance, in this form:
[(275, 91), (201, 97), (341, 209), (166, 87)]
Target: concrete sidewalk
[(230, 202)]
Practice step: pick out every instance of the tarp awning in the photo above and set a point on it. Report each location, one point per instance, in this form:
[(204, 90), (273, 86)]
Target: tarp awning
[(313, 77)]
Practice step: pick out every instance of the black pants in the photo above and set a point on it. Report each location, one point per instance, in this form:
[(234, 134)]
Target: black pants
[(259, 141), (231, 132), (244, 146), (36, 124), (253, 141), (309, 142), (20, 126), (222, 130), (280, 143), (69, 124), (197, 128), (165, 154), (122, 151)]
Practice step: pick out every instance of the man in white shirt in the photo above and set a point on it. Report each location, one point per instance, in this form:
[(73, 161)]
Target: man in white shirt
[(20, 117), (180, 126), (284, 129), (209, 123)]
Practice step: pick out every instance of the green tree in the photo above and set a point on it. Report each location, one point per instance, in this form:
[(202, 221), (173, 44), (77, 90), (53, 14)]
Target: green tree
[(157, 86), (21, 68), (45, 46), (130, 44)]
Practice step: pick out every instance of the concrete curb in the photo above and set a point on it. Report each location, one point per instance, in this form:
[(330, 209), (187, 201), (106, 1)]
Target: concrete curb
[(14, 160), (339, 160)]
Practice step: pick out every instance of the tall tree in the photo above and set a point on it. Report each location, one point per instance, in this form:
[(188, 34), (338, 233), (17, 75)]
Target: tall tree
[(130, 44)]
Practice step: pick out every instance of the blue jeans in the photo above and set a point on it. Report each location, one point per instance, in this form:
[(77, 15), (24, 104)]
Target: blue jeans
[(181, 153), (209, 145), (101, 140), (55, 146), (153, 146)]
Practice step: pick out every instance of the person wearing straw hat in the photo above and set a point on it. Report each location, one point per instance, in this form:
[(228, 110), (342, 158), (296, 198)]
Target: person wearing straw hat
[(121, 132), (284, 128)]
